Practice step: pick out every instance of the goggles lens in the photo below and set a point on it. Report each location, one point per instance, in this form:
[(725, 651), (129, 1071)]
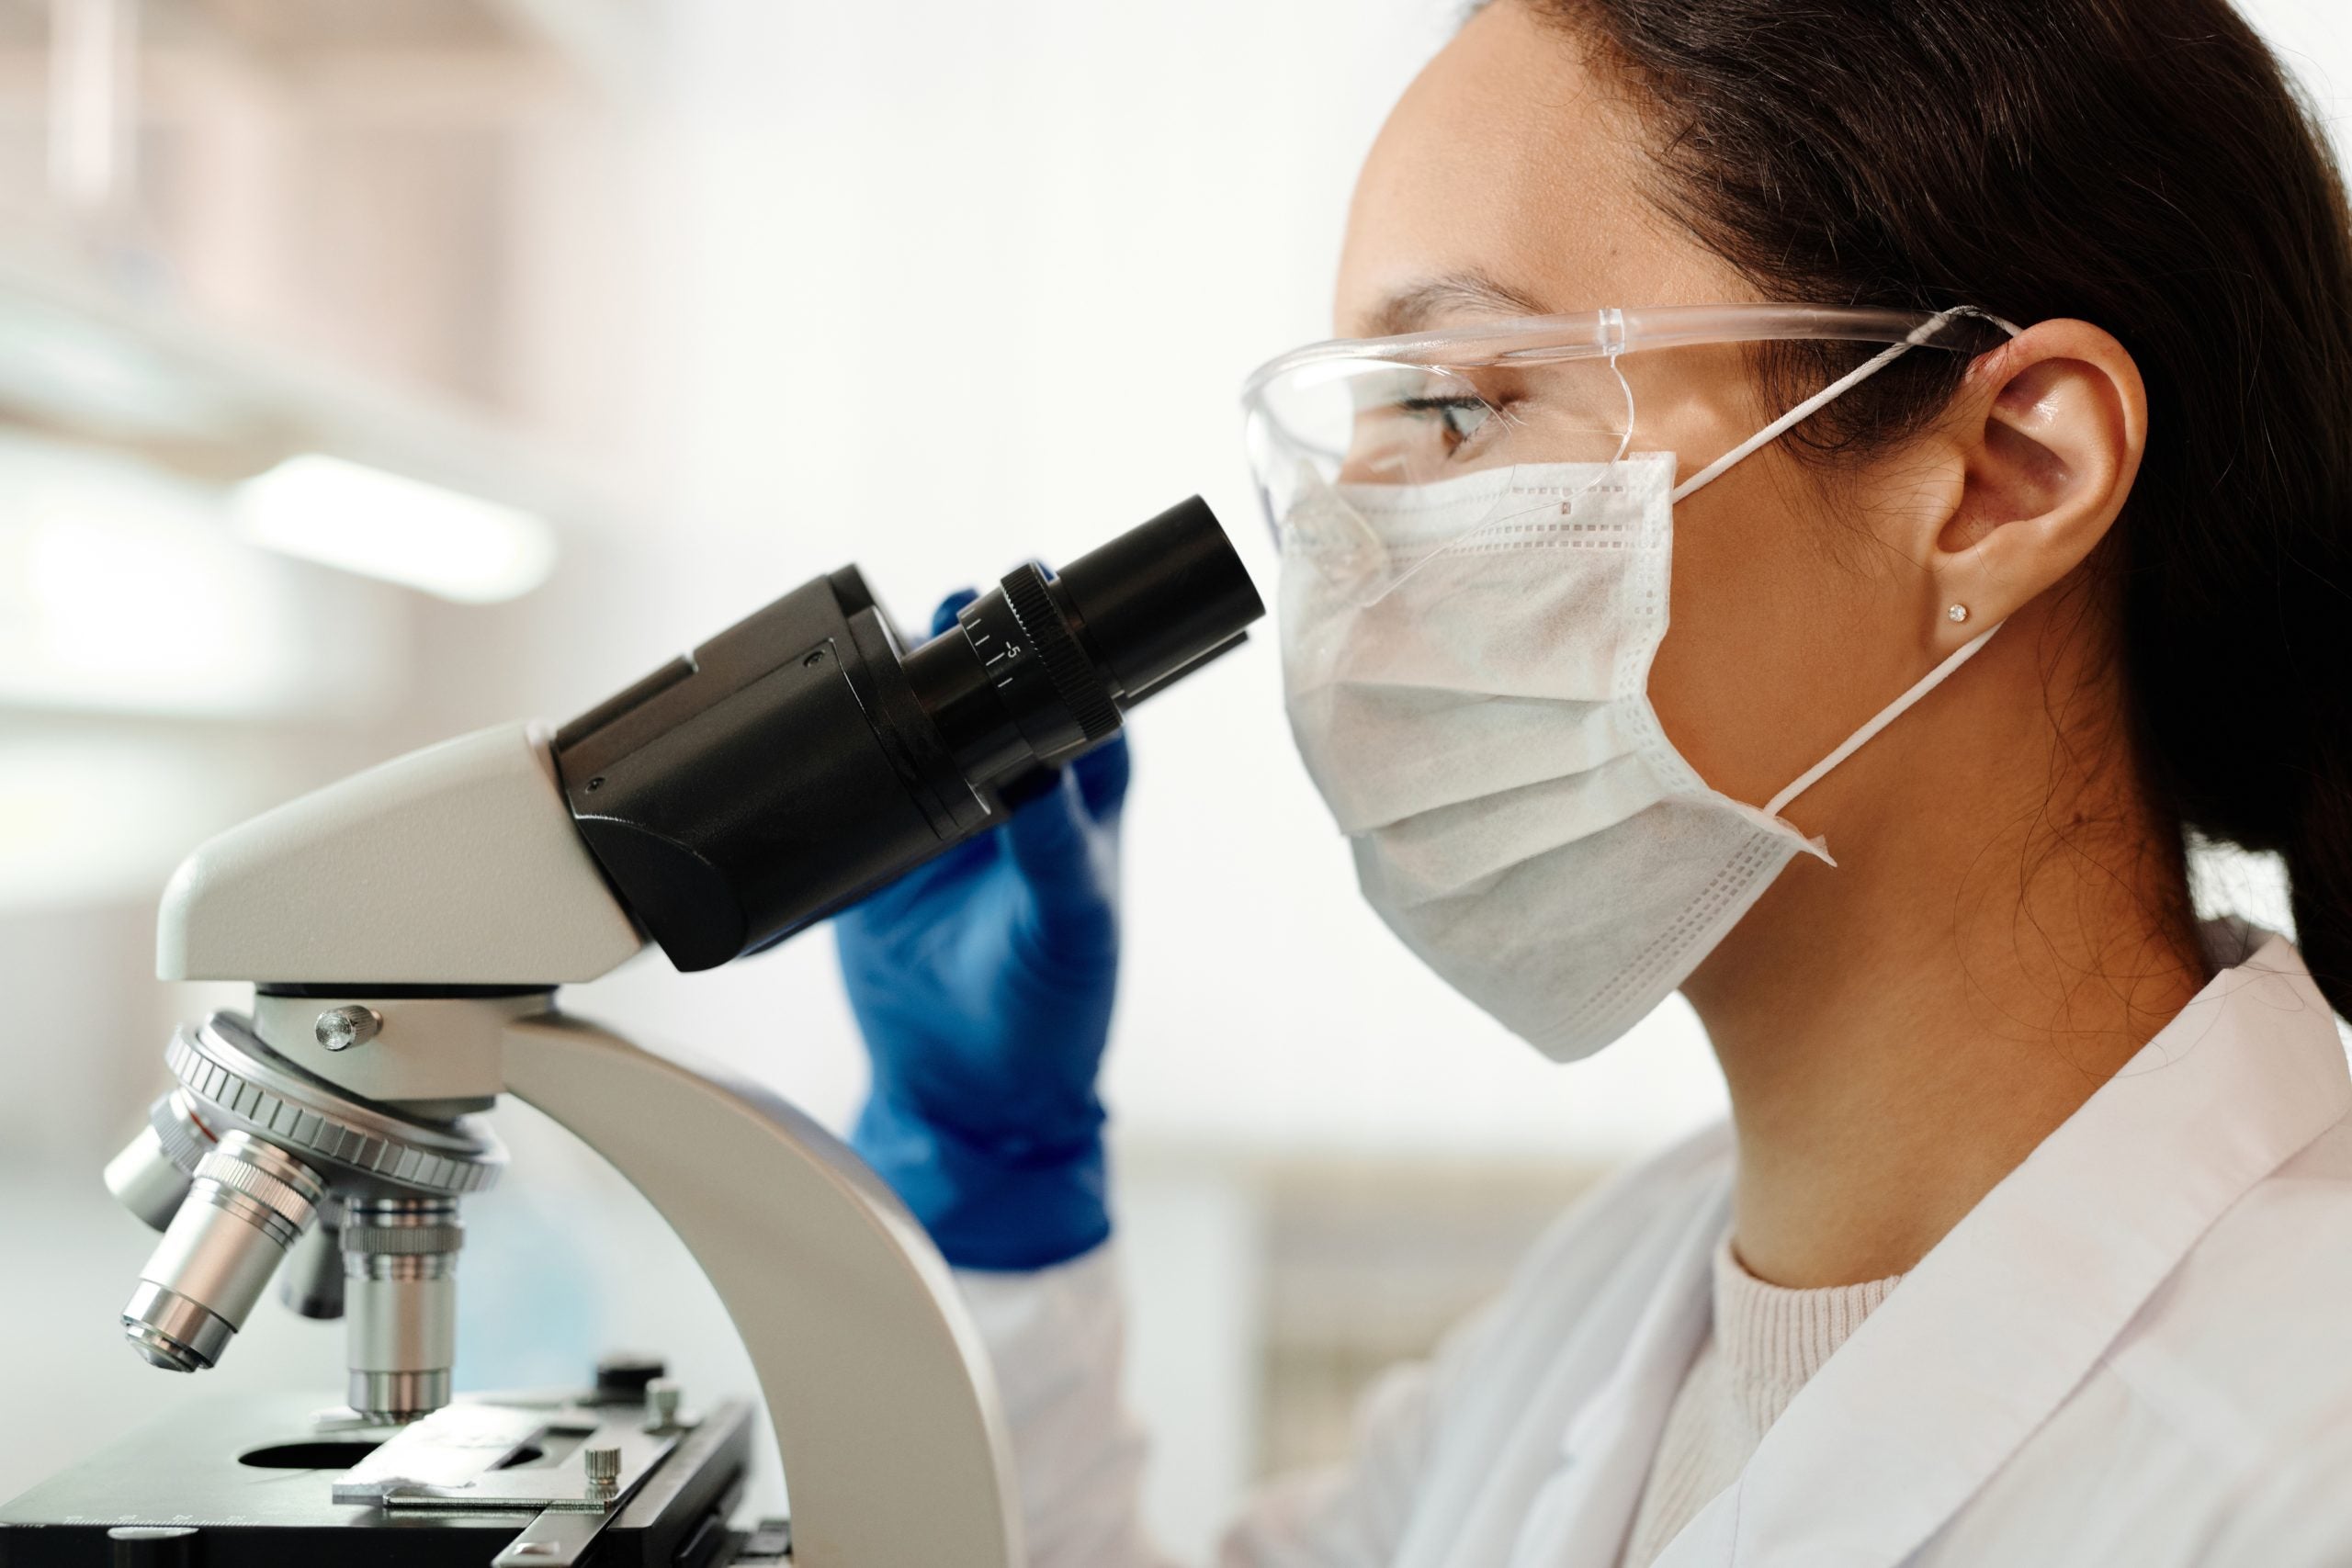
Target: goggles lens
[(1342, 434), (1328, 438)]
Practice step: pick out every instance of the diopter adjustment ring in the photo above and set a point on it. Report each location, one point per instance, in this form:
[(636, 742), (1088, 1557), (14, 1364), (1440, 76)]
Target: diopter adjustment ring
[(1082, 691)]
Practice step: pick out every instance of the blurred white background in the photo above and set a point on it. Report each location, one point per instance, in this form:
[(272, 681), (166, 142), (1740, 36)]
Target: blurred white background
[(719, 294)]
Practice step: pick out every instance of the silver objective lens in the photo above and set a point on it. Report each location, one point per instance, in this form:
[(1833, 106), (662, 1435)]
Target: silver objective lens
[(151, 1176), (312, 1283), (399, 1287), (249, 1203)]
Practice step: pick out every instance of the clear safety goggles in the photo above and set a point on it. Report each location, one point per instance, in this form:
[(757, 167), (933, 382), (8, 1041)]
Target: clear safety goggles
[(1357, 419)]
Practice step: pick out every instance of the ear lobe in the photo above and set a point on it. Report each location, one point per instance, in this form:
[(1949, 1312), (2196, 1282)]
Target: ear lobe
[(2056, 424)]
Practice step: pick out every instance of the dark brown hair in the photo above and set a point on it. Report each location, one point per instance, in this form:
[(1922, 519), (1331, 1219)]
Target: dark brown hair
[(2142, 165)]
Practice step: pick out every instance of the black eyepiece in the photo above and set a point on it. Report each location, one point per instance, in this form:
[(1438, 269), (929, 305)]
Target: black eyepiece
[(798, 760), (1160, 597), (1041, 667)]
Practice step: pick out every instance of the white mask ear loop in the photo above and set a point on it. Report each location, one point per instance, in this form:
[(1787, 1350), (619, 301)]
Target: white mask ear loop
[(1887, 716), (1782, 426)]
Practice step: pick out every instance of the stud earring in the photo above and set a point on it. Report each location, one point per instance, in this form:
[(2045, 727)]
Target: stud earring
[(1957, 614)]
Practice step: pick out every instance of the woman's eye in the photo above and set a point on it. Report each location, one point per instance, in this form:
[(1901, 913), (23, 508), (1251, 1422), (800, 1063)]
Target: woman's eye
[(1417, 427), (1457, 419)]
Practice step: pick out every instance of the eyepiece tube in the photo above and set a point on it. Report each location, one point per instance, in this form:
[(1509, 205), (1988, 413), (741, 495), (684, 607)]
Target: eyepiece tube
[(1161, 596), (1041, 667), (805, 756)]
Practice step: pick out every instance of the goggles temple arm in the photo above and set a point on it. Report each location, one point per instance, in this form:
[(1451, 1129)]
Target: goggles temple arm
[(1813, 405)]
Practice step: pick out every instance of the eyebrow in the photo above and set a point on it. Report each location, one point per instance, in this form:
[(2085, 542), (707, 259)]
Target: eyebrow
[(1422, 304)]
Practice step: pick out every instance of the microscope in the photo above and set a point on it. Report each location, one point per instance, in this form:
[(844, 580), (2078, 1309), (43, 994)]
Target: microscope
[(406, 930)]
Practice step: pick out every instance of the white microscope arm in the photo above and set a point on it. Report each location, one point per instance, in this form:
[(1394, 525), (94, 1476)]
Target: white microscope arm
[(878, 1388)]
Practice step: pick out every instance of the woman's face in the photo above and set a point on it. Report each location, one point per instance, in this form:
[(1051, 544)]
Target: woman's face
[(1509, 181)]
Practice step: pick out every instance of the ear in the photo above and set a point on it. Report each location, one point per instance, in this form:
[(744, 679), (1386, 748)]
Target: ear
[(2048, 433)]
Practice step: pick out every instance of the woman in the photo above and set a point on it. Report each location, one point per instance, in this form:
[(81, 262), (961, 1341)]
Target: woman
[(2031, 1236)]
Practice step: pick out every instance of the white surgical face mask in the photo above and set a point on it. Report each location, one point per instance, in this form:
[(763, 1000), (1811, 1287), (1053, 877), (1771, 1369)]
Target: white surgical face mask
[(1482, 730)]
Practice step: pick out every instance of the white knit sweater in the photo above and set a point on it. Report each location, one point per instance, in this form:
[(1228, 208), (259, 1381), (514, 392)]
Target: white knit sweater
[(1766, 1344)]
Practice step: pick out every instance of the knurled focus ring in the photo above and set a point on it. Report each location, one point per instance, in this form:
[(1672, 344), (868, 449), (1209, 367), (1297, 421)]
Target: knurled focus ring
[(1075, 681), (409, 1239), (233, 1173), (303, 1130)]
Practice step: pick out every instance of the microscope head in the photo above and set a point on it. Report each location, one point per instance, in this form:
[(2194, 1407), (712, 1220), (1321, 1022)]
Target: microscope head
[(798, 760), (454, 867)]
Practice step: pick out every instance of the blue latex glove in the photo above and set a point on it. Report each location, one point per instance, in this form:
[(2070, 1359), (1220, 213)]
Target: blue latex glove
[(983, 984)]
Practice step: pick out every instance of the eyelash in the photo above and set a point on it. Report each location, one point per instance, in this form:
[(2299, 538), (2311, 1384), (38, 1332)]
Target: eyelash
[(1440, 405)]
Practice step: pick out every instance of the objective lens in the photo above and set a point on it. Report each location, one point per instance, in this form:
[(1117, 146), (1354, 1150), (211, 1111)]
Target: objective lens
[(311, 1283), (151, 1176), (248, 1204), (399, 1265)]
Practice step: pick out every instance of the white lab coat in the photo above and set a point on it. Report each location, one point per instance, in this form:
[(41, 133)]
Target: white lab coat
[(2137, 1350)]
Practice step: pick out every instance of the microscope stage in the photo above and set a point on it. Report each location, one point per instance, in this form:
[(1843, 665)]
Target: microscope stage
[(254, 1478)]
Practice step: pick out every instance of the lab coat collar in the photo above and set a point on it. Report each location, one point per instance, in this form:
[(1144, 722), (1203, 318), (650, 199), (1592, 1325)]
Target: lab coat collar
[(1984, 1341), (1605, 1452)]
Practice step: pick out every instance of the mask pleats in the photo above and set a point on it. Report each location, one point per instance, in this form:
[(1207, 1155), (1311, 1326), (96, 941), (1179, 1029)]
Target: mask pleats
[(1388, 754), (1472, 723)]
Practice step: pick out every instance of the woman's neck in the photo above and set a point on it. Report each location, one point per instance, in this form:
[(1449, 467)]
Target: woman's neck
[(2006, 926)]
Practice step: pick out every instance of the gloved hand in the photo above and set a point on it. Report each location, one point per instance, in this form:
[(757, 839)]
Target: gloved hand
[(983, 983)]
